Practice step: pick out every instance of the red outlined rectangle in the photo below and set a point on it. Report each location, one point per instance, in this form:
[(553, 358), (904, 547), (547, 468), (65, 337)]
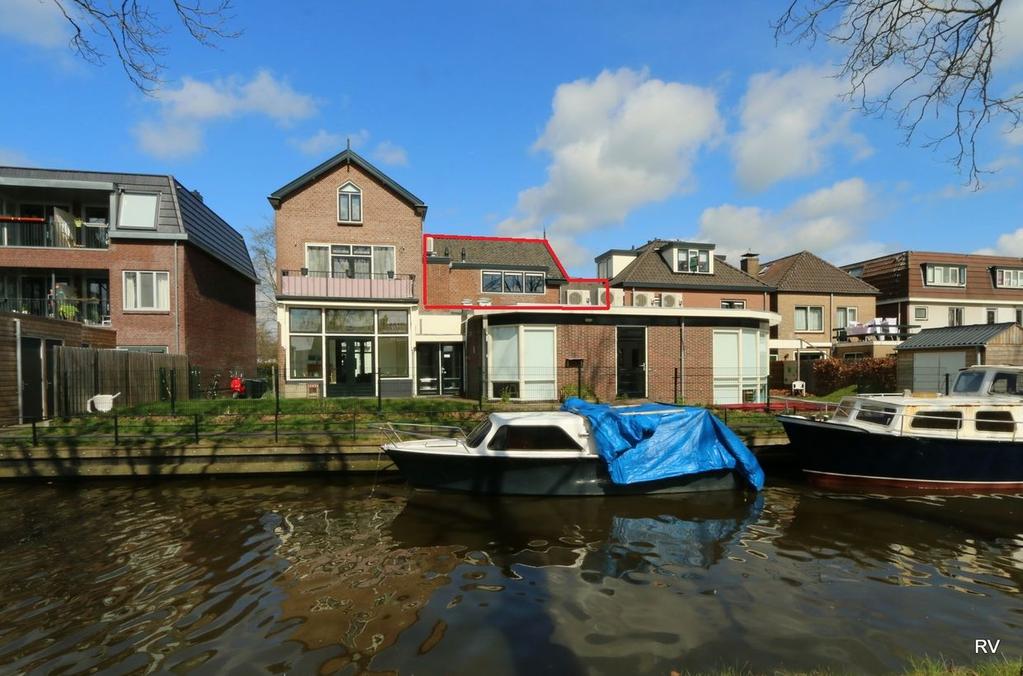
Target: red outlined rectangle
[(522, 240)]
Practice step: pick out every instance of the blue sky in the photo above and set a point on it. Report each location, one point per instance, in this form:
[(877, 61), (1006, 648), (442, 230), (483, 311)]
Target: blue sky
[(606, 123)]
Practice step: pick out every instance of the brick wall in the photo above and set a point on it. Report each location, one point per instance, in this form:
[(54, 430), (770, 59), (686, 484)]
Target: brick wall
[(145, 327), (449, 286), (219, 315), (596, 346), (785, 305), (310, 215), (697, 386)]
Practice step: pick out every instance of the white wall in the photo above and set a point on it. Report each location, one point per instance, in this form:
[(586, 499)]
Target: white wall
[(937, 313)]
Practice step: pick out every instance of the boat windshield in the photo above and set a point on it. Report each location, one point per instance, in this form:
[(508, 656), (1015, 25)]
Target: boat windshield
[(968, 382), (1006, 383), (478, 434)]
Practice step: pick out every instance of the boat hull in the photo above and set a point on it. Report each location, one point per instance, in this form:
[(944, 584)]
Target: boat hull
[(538, 476), (836, 455)]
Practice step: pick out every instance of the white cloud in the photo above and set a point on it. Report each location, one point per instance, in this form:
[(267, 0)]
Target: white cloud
[(36, 22), (1014, 137), (789, 121), (829, 222), (1009, 244), (616, 142), (187, 108), (390, 153), (1009, 34), (320, 143)]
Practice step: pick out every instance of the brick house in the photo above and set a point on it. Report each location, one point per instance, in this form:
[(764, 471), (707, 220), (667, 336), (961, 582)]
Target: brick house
[(817, 302), (138, 253), (934, 290)]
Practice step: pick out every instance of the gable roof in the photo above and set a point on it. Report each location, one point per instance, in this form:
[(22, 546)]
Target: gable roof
[(971, 335), (499, 253), (344, 157), (806, 273), (211, 233), (649, 269)]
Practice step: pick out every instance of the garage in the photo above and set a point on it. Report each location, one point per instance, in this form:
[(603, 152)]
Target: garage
[(927, 360)]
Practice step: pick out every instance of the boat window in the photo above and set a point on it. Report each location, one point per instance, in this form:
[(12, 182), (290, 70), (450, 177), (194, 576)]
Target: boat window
[(479, 433), (995, 421), (968, 381), (532, 438), (937, 420), (876, 415), (1005, 383), (842, 411)]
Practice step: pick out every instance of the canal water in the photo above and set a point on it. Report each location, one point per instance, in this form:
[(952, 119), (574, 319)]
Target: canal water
[(326, 575)]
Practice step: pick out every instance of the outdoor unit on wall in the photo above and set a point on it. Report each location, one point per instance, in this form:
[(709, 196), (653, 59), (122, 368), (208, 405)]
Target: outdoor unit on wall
[(642, 299), (483, 300), (671, 300), (617, 297), (429, 246), (578, 298)]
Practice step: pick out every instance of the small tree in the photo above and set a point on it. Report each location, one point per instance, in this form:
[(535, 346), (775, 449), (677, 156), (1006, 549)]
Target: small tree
[(263, 249)]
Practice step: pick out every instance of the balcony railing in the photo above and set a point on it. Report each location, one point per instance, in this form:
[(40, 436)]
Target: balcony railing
[(312, 284), (85, 310), (51, 233)]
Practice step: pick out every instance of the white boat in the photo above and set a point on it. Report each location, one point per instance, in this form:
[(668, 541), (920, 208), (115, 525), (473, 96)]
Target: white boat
[(970, 439)]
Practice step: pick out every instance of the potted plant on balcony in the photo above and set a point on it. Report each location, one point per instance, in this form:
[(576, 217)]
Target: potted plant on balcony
[(67, 311)]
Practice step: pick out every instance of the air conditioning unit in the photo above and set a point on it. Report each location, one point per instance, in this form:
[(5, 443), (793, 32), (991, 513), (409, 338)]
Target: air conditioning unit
[(483, 300), (617, 297), (642, 299), (577, 298), (429, 246), (671, 300)]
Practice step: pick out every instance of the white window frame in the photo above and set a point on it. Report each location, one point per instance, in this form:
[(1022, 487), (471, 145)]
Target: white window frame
[(728, 304), (916, 313), (1008, 278), (138, 287), (991, 315), (852, 314), (956, 309), (807, 308), (156, 210), (330, 263), (523, 273), (933, 278), (523, 378), (687, 251), (356, 190)]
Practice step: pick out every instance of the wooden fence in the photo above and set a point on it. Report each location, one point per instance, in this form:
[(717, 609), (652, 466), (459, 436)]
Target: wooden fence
[(79, 373)]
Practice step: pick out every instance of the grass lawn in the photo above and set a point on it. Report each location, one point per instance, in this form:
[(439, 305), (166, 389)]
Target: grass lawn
[(837, 395)]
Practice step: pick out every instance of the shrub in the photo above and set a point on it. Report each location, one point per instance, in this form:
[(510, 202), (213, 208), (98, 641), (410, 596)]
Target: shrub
[(869, 375)]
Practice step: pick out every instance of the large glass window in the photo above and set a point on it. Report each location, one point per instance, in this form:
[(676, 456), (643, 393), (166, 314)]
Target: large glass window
[(138, 210), (809, 318), (146, 290), (693, 260), (845, 316), (535, 282), (532, 438), (393, 356), (349, 321), (1012, 279), (317, 259), (944, 275), (304, 320), (349, 204), (353, 261), (392, 321), (492, 282), (513, 282), (504, 358), (306, 357)]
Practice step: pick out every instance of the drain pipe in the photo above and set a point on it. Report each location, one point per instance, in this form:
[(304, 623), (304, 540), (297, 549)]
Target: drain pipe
[(177, 306), (17, 359)]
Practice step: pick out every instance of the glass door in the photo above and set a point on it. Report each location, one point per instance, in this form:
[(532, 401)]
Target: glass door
[(450, 368), (350, 367), (427, 369), (632, 362)]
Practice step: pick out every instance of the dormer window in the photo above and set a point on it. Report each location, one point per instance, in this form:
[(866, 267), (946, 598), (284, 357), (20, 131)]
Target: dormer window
[(349, 204), (944, 275), (693, 260), (1007, 278)]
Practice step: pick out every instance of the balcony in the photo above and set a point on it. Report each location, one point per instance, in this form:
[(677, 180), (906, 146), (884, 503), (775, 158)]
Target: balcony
[(53, 233), (343, 286), (84, 310)]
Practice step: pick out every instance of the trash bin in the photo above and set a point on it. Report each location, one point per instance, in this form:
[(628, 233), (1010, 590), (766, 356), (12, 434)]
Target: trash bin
[(255, 388)]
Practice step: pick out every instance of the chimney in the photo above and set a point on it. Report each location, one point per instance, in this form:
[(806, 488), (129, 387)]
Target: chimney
[(750, 264), (198, 195)]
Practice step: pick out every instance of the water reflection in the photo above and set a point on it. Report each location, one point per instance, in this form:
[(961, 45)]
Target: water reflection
[(330, 576)]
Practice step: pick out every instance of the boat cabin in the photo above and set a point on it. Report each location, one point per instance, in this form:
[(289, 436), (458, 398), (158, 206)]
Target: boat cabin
[(531, 431), (989, 381)]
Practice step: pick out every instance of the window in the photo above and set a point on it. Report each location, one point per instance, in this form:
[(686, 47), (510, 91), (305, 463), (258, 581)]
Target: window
[(304, 320), (146, 290), (995, 421), (937, 420), (809, 318), (693, 260), (317, 260), (306, 356), (352, 261), (349, 321), (480, 433), (392, 321), (968, 382), (956, 316), (1006, 383), (532, 438), (920, 313), (1019, 315), (876, 415), (992, 315), (944, 275), (733, 305), (856, 272), (349, 204), (845, 316), (393, 355), (493, 281), (137, 210), (1011, 279)]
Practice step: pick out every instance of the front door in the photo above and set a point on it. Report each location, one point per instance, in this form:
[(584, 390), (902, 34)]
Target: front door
[(450, 368), (427, 369), (439, 368), (350, 367), (632, 362), (50, 368), (31, 379)]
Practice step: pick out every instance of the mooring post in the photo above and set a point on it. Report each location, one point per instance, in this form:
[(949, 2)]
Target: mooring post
[(195, 427), (117, 436), (35, 438)]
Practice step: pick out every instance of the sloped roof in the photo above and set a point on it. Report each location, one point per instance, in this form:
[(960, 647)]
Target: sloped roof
[(343, 157), (806, 273), (971, 335), (649, 269), (497, 253), (211, 233)]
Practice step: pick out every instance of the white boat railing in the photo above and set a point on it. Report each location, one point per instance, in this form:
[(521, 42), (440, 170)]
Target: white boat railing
[(401, 432)]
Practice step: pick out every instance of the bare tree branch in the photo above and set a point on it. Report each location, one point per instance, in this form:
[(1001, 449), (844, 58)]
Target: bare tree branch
[(134, 32), (931, 61), (263, 248)]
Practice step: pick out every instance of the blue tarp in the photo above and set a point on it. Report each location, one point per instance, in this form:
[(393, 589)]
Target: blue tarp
[(658, 441)]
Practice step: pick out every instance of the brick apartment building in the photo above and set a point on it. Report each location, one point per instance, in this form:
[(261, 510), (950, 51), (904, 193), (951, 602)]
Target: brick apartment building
[(138, 253), (367, 300)]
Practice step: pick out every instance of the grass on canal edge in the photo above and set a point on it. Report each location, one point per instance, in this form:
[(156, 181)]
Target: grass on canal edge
[(924, 666)]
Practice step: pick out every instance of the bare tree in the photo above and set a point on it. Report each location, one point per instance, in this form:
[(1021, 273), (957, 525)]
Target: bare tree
[(929, 59), (133, 30), (263, 248)]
